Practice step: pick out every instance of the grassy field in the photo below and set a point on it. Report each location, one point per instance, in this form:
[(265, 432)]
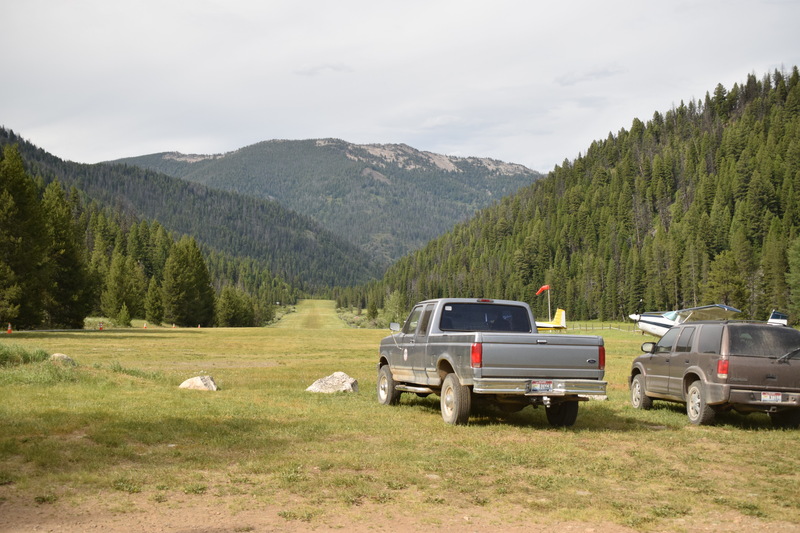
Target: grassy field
[(116, 429)]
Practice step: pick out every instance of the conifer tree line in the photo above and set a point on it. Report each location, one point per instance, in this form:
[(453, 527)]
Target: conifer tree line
[(63, 258), (292, 247), (698, 205)]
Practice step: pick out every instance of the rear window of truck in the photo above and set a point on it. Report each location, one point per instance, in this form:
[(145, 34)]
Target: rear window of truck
[(484, 317), (762, 341)]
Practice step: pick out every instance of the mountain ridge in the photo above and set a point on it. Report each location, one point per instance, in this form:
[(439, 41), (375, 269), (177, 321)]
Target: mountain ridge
[(371, 194), (292, 245), (390, 152)]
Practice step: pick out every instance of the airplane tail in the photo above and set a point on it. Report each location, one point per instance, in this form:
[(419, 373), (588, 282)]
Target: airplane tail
[(560, 318)]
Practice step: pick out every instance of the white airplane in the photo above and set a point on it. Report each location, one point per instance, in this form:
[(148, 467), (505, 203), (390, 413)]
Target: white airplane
[(778, 318), (658, 322), (559, 322)]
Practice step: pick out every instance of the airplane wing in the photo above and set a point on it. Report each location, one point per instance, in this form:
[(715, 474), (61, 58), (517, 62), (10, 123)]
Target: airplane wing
[(706, 312)]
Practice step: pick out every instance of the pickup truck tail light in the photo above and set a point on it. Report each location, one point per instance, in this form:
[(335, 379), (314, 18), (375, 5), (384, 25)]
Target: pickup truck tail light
[(722, 369), (477, 355), (601, 356)]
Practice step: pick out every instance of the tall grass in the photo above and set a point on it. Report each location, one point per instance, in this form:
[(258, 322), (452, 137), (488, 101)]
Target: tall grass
[(121, 427), (14, 354)]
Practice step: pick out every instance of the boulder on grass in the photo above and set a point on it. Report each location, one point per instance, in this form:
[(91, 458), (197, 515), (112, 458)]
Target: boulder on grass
[(336, 382), (63, 359), (199, 383)]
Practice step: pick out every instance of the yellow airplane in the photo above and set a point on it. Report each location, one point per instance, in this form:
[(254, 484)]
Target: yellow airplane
[(559, 322)]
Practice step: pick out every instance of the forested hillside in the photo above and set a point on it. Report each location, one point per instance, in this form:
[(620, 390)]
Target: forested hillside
[(374, 195), (291, 246), (700, 204), (63, 257)]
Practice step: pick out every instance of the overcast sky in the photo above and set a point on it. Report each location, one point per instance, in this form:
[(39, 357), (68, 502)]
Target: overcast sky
[(526, 81)]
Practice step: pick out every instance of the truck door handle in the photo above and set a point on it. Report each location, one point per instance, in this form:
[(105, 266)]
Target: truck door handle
[(541, 341)]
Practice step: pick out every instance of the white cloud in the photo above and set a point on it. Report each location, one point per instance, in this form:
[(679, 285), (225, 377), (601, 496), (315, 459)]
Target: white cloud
[(528, 82)]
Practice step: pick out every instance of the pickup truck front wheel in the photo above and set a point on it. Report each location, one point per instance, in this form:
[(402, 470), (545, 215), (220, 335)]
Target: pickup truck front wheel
[(456, 400), (698, 411), (387, 391), (562, 414)]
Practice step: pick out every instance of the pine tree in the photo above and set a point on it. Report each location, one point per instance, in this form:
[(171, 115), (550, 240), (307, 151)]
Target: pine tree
[(23, 248), (234, 308), (793, 279), (9, 287), (68, 298), (372, 309), (187, 292), (725, 284), (114, 288), (153, 305), (122, 319)]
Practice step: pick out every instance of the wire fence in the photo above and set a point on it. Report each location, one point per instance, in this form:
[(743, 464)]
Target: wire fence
[(599, 326)]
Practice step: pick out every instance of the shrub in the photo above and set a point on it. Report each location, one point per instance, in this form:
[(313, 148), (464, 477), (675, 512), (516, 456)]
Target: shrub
[(11, 354)]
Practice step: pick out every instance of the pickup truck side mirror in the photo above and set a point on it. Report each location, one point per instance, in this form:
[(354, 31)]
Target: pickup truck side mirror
[(394, 326), (648, 347)]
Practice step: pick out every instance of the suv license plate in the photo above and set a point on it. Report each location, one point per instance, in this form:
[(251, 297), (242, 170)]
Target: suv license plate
[(540, 386), (771, 397)]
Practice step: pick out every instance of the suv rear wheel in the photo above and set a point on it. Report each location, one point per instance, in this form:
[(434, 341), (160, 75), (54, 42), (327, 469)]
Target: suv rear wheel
[(698, 411)]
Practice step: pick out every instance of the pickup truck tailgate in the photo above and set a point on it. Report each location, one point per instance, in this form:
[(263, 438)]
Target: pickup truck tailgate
[(542, 355)]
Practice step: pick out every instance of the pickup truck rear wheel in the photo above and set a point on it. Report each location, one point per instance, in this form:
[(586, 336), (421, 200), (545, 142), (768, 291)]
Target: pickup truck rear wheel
[(387, 391), (639, 400), (698, 411), (456, 401), (562, 414)]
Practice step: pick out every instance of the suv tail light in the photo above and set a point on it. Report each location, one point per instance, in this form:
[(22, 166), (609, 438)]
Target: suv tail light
[(477, 355), (601, 355), (722, 369)]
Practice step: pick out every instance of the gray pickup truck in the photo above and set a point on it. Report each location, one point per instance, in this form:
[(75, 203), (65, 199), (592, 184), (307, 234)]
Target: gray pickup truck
[(462, 348), (716, 366)]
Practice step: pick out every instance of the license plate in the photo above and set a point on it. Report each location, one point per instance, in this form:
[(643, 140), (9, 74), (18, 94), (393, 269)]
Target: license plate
[(772, 397), (540, 386)]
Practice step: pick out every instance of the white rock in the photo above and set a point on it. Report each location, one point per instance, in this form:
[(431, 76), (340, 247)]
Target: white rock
[(199, 383), (336, 382), (63, 359)]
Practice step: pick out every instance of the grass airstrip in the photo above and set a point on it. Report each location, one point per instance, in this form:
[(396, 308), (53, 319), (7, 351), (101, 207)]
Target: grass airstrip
[(117, 426)]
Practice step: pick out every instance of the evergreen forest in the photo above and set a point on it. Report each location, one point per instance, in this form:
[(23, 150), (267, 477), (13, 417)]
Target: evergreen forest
[(64, 257), (291, 246), (698, 205), (372, 195)]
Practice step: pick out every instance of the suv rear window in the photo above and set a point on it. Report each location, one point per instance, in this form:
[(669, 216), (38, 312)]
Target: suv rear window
[(762, 341), (484, 317)]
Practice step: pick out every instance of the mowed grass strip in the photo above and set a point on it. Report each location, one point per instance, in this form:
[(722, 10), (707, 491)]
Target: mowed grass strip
[(118, 425)]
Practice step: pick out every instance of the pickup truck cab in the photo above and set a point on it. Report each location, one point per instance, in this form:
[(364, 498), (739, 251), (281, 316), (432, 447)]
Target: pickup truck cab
[(715, 366), (460, 348)]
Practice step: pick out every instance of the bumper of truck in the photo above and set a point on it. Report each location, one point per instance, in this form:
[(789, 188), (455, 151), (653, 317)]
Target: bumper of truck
[(540, 387)]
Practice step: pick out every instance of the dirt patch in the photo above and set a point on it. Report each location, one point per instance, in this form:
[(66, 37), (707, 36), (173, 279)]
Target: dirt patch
[(222, 514)]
